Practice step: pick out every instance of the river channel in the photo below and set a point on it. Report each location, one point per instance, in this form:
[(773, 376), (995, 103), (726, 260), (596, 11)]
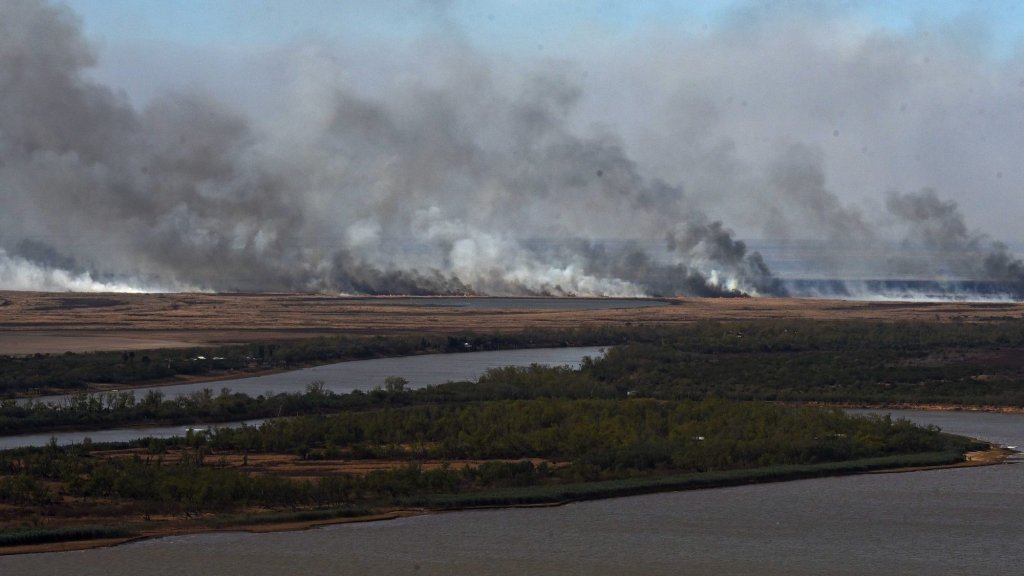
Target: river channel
[(342, 377), (942, 522)]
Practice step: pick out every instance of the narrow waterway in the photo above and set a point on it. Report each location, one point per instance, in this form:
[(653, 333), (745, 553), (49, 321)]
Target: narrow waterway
[(943, 522), (112, 435), (344, 377), (341, 378)]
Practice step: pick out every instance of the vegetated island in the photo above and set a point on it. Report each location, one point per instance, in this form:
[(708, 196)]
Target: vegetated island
[(441, 456), (668, 408)]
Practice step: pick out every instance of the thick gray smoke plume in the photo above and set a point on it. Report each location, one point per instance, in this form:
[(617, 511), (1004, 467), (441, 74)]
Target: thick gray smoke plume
[(945, 246), (452, 171), (434, 192)]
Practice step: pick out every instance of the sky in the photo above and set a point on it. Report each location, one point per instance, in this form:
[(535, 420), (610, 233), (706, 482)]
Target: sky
[(308, 145), (507, 24), (274, 21)]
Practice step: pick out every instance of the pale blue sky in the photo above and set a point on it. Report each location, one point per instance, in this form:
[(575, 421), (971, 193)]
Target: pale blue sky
[(504, 24)]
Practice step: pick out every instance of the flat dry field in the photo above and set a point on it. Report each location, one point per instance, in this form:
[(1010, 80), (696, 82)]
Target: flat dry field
[(32, 322)]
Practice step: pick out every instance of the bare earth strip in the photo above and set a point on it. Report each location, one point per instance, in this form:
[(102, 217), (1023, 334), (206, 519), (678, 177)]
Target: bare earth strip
[(33, 322), (26, 342)]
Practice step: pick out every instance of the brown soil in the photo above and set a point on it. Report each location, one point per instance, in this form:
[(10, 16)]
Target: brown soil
[(294, 467), (35, 322)]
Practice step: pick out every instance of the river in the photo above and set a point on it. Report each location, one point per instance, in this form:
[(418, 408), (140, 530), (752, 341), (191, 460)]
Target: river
[(344, 377), (341, 378), (942, 522)]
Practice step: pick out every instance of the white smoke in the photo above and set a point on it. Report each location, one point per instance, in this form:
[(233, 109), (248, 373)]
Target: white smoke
[(16, 273), (441, 168)]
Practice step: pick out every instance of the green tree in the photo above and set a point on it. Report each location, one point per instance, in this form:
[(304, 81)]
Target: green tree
[(394, 384)]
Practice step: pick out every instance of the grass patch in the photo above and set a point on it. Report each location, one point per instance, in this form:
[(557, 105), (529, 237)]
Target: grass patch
[(549, 494), (288, 517), (23, 537)]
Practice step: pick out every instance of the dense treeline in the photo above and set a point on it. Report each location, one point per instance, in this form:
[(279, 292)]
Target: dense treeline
[(926, 366), (595, 435), (802, 340), (871, 363), (577, 440), (111, 409), (859, 362), (72, 372), (547, 493), (24, 536)]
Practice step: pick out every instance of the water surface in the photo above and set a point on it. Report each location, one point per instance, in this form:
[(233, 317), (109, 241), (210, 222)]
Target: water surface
[(342, 378), (945, 522), (112, 435)]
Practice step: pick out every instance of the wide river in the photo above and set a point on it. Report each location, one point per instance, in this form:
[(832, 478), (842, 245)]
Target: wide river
[(943, 522)]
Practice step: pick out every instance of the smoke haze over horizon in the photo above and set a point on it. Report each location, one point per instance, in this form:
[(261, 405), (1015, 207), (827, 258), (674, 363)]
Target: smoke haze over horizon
[(439, 166)]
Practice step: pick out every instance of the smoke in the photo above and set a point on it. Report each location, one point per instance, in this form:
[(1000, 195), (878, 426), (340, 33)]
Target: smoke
[(937, 257), (444, 169), (798, 180), (940, 244), (429, 192), (18, 273)]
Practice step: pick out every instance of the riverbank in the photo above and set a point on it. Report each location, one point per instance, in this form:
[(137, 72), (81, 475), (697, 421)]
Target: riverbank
[(527, 497), (630, 415)]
